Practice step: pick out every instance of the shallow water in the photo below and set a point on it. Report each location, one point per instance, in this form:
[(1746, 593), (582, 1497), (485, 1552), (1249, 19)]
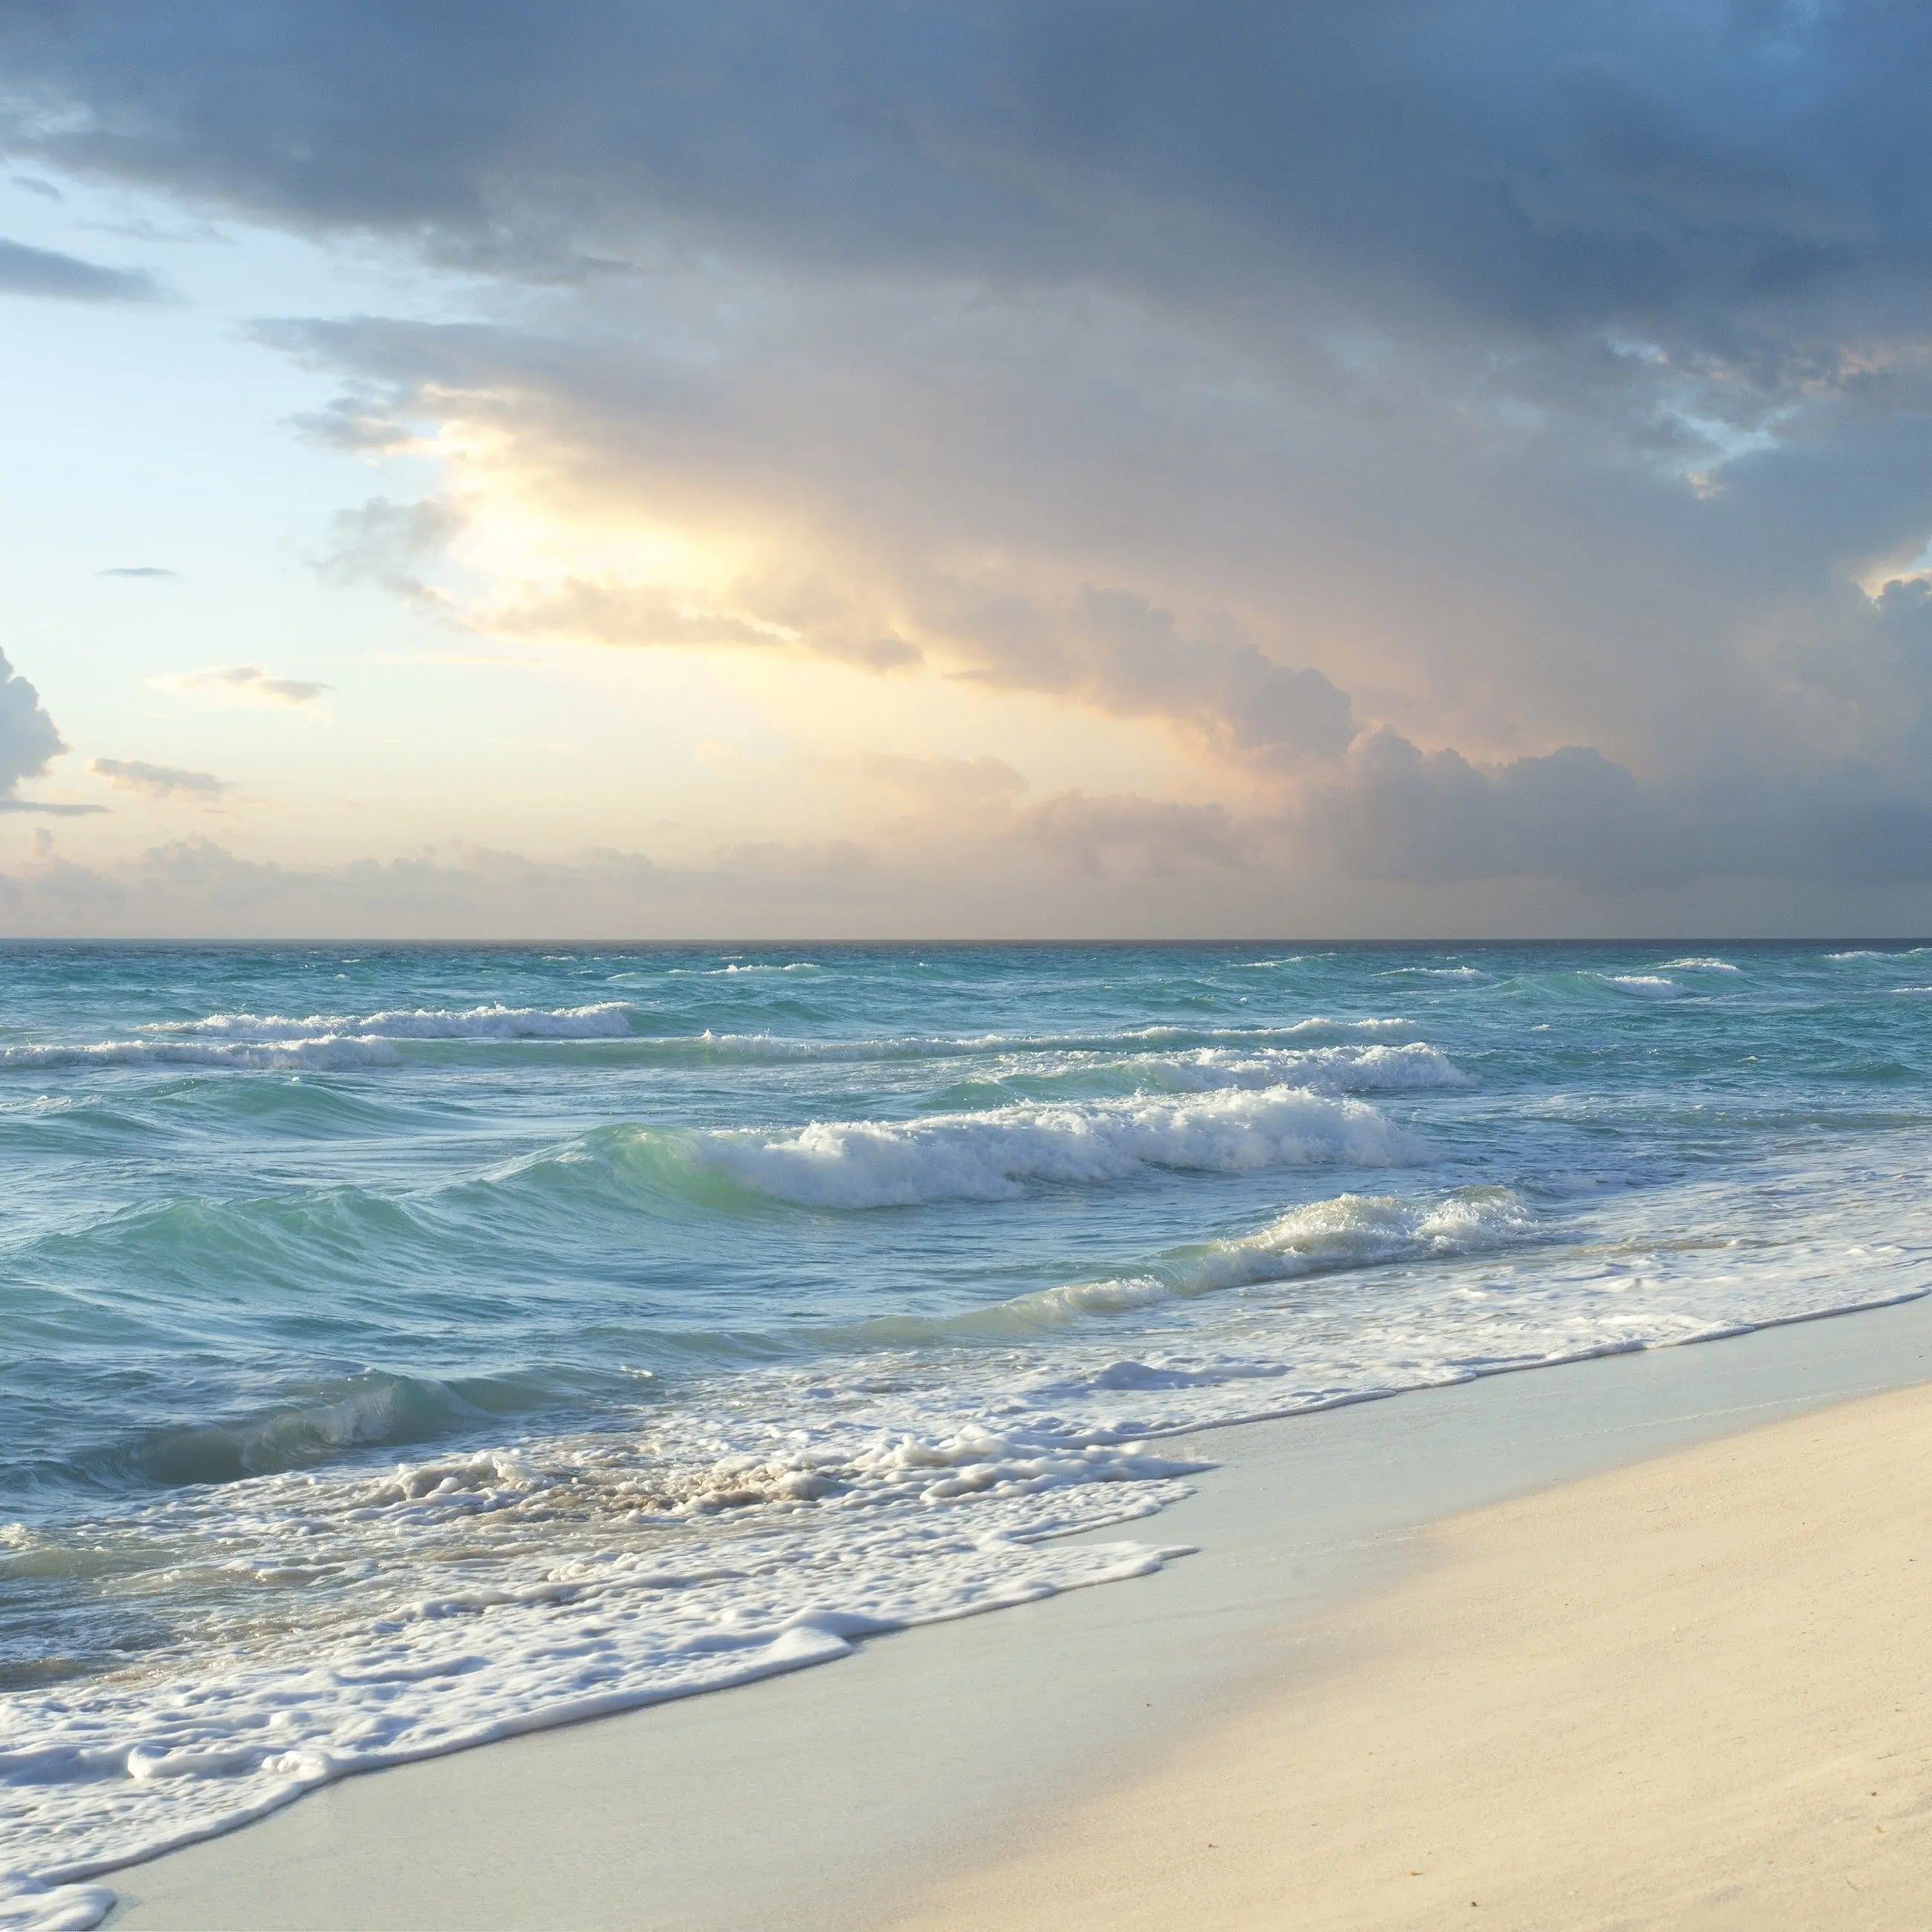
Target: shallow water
[(402, 1346)]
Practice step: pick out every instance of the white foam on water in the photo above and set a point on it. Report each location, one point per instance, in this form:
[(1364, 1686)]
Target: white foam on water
[(766, 1519), (1700, 966), (1354, 1231), (1416, 1067), (940, 1046), (26, 1905), (992, 1156), (1642, 986), (1349, 1231), (726, 972), (323, 1052), (1462, 973), (909, 1531), (606, 1019)]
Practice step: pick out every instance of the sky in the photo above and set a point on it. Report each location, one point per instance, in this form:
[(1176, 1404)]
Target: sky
[(986, 469)]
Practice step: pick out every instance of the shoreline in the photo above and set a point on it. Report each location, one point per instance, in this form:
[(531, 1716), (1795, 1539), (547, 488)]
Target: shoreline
[(825, 1798)]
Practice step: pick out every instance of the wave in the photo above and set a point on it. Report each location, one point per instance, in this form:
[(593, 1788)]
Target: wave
[(322, 1052), (727, 972), (939, 1046), (1355, 1230), (1414, 1067), (607, 1019), (1459, 972), (1700, 966), (369, 1410), (1641, 986), (325, 1042), (1345, 1233), (992, 1156)]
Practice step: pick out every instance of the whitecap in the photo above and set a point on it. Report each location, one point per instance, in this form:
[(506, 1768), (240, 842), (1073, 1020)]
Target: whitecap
[(1642, 985), (992, 1156), (606, 1019), (322, 1052)]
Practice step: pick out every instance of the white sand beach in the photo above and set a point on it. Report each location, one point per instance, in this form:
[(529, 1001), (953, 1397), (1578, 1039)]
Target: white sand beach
[(1513, 1643), (1694, 1693)]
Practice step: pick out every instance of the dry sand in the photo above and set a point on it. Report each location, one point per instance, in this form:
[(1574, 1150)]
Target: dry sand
[(1693, 1693)]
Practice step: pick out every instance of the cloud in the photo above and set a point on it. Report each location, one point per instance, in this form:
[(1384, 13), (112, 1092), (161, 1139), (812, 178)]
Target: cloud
[(1115, 651), (382, 543), (954, 786), (161, 781), (1494, 449), (29, 743), (1689, 174), (1398, 814), (1140, 837), (612, 612), (241, 684), (196, 886), (140, 570), (25, 271)]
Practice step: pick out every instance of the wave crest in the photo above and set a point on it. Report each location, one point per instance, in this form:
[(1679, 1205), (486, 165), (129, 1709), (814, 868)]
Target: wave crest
[(606, 1019), (991, 1155)]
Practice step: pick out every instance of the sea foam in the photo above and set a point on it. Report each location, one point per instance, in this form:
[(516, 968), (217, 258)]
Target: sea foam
[(322, 1051), (606, 1019), (992, 1156)]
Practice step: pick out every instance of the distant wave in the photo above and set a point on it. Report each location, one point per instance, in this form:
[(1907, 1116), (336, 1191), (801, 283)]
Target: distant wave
[(725, 972), (991, 1155), (321, 1051), (343, 1041), (1700, 966), (1463, 972), (608, 1019), (1642, 986), (1413, 1068), (781, 1046)]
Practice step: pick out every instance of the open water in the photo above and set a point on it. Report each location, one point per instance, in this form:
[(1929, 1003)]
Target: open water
[(401, 1347)]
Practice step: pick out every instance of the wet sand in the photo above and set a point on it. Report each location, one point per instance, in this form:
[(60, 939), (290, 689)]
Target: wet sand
[(1028, 1765)]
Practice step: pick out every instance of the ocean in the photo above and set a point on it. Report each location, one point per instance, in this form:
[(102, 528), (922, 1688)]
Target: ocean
[(404, 1346)]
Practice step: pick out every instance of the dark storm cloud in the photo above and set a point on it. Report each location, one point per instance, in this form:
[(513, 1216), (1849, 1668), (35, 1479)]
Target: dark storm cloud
[(46, 272), (1685, 169)]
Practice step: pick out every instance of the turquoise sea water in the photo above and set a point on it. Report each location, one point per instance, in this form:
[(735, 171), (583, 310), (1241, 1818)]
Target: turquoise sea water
[(400, 1346)]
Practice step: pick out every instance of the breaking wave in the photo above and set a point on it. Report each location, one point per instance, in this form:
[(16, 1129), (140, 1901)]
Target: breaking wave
[(1642, 986), (1339, 1235), (322, 1052), (608, 1019), (992, 1156)]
